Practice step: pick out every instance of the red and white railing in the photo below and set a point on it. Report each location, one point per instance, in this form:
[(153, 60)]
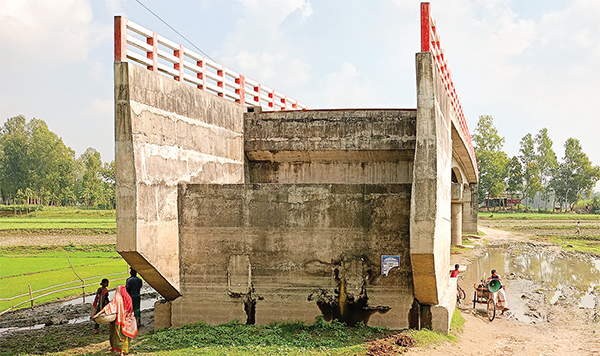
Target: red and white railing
[(144, 47), (430, 42)]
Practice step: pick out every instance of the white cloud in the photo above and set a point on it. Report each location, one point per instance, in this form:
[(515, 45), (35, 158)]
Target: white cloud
[(46, 31), (347, 88), (101, 107)]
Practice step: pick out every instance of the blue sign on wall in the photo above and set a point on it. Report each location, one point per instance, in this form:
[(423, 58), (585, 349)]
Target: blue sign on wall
[(388, 262)]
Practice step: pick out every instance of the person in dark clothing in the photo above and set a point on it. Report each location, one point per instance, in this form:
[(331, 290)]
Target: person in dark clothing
[(100, 301), (133, 286)]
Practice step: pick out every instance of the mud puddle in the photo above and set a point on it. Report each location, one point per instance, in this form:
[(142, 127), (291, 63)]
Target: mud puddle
[(534, 275), (73, 311)]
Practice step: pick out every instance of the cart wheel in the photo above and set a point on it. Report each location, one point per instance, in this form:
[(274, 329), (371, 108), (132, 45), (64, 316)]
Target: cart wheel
[(474, 299), (491, 309)]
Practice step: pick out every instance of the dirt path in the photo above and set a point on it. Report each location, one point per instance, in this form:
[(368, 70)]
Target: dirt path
[(567, 330), (38, 240)]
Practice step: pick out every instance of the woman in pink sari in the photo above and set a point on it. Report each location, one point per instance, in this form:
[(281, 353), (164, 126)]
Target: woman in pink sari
[(125, 326)]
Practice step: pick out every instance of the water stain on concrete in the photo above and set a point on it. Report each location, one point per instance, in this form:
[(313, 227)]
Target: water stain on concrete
[(344, 306)]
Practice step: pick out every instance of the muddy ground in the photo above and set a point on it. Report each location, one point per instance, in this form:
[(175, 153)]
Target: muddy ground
[(561, 328)]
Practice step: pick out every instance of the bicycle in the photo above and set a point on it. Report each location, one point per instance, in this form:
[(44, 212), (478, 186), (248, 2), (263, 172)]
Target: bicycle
[(460, 293)]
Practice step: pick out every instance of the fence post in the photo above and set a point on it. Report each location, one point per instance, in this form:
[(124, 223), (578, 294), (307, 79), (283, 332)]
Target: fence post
[(30, 295), (81, 279)]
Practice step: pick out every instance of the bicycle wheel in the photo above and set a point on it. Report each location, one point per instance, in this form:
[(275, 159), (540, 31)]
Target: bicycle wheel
[(474, 299), (461, 295), (491, 309)]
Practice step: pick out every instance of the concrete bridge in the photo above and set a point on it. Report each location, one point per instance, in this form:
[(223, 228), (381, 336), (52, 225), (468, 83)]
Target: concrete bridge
[(237, 202)]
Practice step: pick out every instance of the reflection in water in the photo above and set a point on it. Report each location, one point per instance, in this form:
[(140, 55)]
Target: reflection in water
[(550, 269)]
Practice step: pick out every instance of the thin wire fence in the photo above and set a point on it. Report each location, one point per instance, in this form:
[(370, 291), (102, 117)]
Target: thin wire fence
[(83, 286)]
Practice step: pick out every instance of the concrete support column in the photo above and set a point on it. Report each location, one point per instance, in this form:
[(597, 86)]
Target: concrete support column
[(470, 209), (456, 226)]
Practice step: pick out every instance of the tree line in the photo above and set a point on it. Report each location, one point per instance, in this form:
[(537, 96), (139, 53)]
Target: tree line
[(535, 170), (36, 167)]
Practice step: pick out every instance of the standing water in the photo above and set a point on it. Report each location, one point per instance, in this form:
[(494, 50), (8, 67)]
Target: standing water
[(533, 266)]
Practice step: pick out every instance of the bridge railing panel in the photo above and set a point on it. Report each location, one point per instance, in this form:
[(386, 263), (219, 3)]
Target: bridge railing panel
[(430, 42), (143, 47)]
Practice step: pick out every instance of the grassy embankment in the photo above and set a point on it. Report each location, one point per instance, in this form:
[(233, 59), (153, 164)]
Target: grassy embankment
[(294, 338), (46, 266), (555, 228)]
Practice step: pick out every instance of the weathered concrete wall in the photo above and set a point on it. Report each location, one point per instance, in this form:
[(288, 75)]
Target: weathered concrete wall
[(166, 132), (330, 146), (431, 197), (286, 241)]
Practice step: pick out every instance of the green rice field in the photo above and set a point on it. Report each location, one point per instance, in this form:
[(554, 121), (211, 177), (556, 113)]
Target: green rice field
[(44, 266), (64, 221)]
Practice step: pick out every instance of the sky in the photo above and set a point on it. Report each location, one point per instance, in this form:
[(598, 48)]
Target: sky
[(529, 64)]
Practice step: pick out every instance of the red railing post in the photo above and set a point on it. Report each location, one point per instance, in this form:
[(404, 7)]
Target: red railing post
[(257, 98), (272, 99), (241, 81), (425, 27), (153, 41), (201, 75), (120, 39), (221, 73), (179, 66)]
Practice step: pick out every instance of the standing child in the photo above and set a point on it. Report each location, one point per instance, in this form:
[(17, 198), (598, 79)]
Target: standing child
[(100, 301)]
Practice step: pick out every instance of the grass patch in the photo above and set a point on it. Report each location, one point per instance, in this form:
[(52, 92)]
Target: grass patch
[(583, 243), (68, 212), (322, 336), (295, 338), (60, 221), (7, 223), (491, 215), (63, 231), (427, 338)]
